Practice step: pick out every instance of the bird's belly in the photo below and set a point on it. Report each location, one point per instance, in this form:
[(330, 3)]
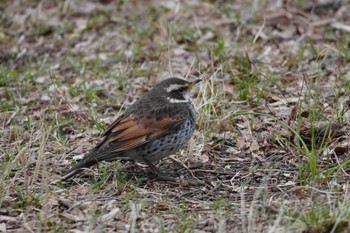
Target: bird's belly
[(166, 145)]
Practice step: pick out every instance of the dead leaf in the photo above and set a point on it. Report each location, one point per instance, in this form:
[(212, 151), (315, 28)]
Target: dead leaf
[(254, 146)]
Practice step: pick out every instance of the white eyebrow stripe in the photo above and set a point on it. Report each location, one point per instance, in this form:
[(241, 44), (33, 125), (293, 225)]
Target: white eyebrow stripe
[(173, 87), (173, 100)]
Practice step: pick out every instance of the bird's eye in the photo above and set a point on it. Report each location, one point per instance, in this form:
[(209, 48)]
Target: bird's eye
[(182, 89)]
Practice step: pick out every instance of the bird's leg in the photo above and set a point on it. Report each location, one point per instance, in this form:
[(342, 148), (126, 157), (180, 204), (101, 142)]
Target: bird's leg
[(162, 177), (153, 168)]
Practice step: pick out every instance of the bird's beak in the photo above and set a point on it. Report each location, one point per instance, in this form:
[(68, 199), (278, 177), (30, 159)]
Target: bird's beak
[(191, 84)]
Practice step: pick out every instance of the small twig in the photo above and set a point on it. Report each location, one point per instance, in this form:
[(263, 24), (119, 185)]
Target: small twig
[(184, 166), (338, 162), (189, 69), (259, 32), (213, 172), (8, 122), (323, 5), (323, 192), (213, 190), (178, 181)]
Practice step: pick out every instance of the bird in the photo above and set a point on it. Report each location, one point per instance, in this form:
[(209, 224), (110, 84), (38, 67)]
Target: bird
[(154, 127)]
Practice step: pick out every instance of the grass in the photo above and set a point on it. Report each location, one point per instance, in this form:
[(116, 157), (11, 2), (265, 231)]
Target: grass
[(272, 107), (331, 216)]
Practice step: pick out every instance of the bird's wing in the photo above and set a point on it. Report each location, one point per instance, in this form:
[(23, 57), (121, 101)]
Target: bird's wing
[(128, 132)]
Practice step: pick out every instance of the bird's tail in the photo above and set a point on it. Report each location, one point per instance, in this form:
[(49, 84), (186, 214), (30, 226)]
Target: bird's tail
[(89, 160), (84, 163)]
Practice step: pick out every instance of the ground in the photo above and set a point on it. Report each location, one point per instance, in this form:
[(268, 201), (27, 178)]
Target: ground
[(271, 142)]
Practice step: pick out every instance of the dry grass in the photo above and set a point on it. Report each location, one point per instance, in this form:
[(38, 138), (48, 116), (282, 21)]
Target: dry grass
[(272, 140)]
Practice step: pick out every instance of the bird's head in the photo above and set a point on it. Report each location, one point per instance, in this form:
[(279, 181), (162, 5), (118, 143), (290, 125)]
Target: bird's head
[(175, 89)]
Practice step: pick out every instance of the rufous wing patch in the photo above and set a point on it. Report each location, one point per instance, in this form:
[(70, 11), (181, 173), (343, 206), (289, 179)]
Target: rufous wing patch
[(129, 132)]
